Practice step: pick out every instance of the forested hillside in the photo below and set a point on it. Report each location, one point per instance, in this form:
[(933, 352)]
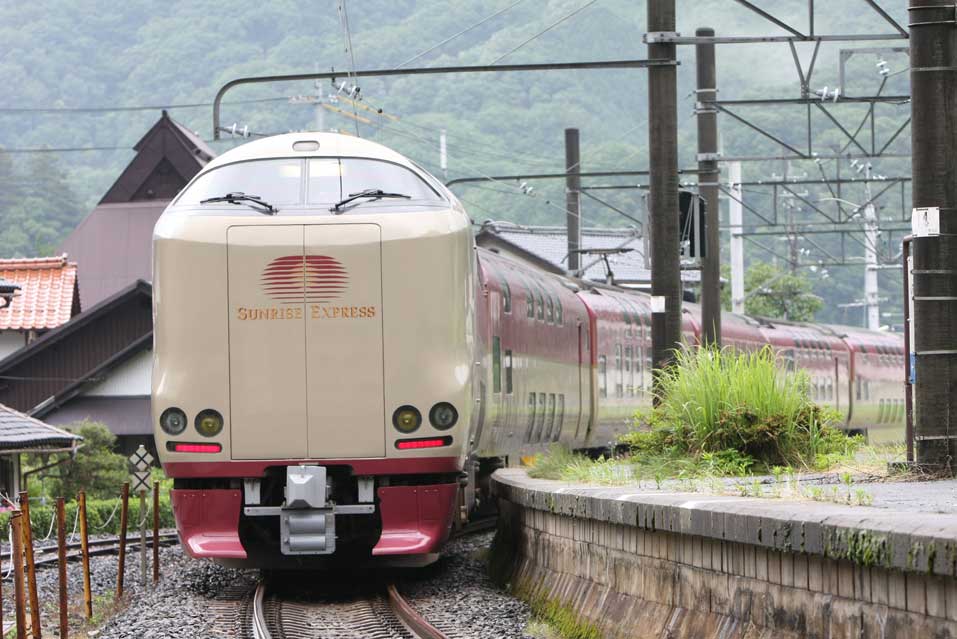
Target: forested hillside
[(59, 55)]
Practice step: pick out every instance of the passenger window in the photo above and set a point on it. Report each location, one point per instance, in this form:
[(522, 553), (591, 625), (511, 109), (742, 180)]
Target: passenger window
[(508, 372), (531, 417), (549, 310), (541, 306), (629, 373), (529, 303), (559, 314), (561, 417), (551, 416), (496, 365), (541, 417), (602, 376), (880, 412), (620, 382), (506, 297)]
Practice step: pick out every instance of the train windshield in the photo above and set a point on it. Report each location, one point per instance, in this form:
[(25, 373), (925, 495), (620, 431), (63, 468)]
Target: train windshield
[(295, 182)]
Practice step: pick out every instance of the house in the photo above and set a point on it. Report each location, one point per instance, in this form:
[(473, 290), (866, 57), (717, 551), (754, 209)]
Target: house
[(113, 244), (47, 298), (94, 367), (21, 434)]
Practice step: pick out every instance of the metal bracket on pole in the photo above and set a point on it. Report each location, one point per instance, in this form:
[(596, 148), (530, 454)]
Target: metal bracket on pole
[(660, 37)]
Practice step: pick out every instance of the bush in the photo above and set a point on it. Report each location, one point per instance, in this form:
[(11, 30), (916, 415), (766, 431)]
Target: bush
[(736, 410), (98, 519), (96, 469)]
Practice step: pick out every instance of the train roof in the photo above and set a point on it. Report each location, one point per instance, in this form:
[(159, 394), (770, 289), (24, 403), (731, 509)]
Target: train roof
[(329, 145)]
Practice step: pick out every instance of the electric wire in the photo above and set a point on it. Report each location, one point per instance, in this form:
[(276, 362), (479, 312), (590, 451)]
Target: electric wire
[(347, 37), (544, 31), (462, 32)]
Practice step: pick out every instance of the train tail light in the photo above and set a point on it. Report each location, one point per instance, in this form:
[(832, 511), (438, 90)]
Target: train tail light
[(423, 442), (190, 447)]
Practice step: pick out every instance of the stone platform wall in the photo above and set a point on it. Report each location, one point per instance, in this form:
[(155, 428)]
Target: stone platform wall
[(653, 564)]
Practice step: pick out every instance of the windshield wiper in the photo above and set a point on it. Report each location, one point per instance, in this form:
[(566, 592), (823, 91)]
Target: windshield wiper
[(238, 197), (375, 194)]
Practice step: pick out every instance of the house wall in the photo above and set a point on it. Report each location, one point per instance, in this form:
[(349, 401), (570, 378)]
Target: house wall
[(11, 341), (129, 379)]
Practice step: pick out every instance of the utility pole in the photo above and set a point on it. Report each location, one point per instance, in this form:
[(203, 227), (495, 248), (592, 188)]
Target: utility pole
[(933, 76), (443, 155), (573, 188), (736, 222), (708, 177), (663, 189), (871, 291)]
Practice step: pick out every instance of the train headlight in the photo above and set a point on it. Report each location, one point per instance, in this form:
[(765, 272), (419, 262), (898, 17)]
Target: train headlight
[(443, 416), (406, 419), (173, 421), (209, 423)]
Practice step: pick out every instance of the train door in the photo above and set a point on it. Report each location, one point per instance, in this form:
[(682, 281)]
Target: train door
[(345, 386), (582, 354)]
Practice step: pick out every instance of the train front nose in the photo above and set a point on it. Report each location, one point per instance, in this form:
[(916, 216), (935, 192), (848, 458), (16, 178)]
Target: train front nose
[(305, 341)]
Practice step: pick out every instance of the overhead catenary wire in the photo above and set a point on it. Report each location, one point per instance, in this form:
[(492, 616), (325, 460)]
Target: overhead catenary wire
[(347, 39), (544, 31), (460, 33)]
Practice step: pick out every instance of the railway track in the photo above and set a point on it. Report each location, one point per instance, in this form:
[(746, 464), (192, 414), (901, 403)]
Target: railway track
[(106, 546), (380, 615)]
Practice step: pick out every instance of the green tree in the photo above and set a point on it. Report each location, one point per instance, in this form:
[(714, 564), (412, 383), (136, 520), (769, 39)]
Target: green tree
[(773, 292), (97, 469)]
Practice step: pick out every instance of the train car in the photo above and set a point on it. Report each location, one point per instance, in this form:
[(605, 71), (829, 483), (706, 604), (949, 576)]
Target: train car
[(314, 352), (338, 368)]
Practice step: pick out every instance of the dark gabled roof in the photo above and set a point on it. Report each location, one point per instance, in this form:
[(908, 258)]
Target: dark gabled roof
[(167, 157), (137, 288), (19, 432), (93, 377), (74, 352)]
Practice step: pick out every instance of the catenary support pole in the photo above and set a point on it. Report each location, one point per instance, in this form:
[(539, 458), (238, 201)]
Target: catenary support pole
[(736, 222), (573, 198), (708, 179), (663, 191), (933, 58)]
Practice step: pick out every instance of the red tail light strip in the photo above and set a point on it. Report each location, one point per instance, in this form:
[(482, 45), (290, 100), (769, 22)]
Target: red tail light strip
[(423, 442), (187, 447)]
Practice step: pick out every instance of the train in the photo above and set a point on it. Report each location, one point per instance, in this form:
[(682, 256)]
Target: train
[(338, 368)]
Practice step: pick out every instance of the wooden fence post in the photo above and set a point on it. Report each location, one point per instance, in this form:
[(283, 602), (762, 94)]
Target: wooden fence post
[(20, 603), (156, 523), (27, 529), (61, 564), (85, 552), (121, 563)]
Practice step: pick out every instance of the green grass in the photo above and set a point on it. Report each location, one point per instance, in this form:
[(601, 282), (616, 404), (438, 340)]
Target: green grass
[(721, 413)]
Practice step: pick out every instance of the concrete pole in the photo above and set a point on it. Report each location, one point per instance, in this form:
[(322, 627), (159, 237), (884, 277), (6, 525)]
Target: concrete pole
[(663, 191), (443, 154), (573, 186), (736, 219), (708, 177), (871, 293), (933, 58)]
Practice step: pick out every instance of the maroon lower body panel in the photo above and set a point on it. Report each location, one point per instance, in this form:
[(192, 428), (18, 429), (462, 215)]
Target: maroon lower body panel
[(407, 466), (415, 519), (208, 522)]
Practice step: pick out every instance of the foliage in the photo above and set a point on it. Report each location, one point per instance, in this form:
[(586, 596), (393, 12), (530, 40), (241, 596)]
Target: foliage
[(772, 292), (739, 405), (96, 469), (102, 516)]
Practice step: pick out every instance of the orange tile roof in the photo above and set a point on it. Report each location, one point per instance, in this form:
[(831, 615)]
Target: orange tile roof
[(46, 296)]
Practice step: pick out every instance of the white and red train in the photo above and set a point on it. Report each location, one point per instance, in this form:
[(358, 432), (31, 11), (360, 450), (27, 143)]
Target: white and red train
[(337, 366)]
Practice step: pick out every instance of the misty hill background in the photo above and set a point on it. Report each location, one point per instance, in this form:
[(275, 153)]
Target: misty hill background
[(86, 53)]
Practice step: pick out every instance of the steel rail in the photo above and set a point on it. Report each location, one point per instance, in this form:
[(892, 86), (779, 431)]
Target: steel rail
[(260, 629), (97, 547), (411, 617)]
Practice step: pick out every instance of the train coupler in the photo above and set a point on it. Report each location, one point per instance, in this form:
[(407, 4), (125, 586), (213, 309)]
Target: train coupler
[(307, 519)]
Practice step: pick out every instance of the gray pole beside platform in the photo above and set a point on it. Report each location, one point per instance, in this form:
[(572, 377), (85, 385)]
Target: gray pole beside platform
[(708, 178)]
